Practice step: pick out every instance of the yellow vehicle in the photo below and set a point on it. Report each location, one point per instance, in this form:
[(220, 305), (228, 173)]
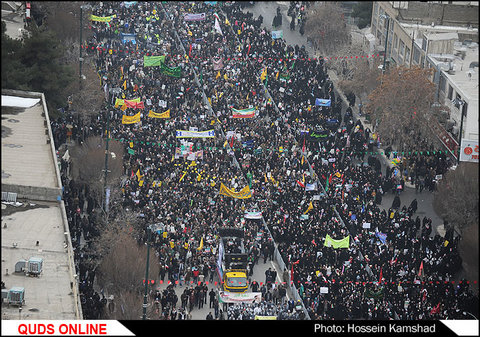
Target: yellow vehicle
[(232, 260)]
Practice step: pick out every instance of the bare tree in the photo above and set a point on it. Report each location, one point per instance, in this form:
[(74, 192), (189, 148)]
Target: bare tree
[(456, 198), (121, 271), (326, 27), (401, 105), (89, 164)]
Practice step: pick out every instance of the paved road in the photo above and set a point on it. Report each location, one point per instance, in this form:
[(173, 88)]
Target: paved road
[(201, 314)]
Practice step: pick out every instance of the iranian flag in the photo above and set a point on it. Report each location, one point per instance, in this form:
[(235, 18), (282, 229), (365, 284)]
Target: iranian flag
[(245, 113)]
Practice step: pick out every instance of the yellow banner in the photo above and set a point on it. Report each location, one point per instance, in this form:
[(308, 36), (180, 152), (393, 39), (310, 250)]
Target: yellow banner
[(102, 18), (244, 193), (165, 114), (131, 119), (121, 102)]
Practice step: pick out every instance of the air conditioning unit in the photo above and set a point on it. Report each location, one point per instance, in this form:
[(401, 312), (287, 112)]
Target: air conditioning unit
[(32, 267), (16, 296)]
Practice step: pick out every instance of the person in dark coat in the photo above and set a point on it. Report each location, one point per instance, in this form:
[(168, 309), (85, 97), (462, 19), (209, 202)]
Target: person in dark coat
[(396, 202), (413, 205)]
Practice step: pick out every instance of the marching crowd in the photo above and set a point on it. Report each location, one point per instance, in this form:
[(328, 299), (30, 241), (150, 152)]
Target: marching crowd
[(303, 161)]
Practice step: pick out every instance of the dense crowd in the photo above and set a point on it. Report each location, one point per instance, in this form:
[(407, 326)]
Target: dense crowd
[(306, 164)]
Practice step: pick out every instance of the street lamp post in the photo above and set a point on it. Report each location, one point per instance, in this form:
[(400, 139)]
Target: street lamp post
[(80, 59), (146, 275)]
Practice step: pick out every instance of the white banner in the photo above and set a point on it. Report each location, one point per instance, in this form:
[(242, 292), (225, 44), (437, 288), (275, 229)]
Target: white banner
[(469, 151), (228, 297), (253, 215), (194, 17), (64, 328), (195, 134)]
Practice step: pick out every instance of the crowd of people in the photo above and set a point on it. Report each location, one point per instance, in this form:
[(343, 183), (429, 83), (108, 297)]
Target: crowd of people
[(304, 163)]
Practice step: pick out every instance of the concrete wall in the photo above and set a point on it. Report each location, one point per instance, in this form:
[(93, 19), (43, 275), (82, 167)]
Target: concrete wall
[(33, 192), (439, 14)]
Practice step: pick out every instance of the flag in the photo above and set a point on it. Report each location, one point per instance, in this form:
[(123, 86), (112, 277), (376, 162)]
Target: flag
[(125, 85), (420, 270), (436, 309), (139, 176), (245, 113), (217, 27), (291, 274), (300, 183), (201, 245), (310, 207), (263, 76), (381, 275)]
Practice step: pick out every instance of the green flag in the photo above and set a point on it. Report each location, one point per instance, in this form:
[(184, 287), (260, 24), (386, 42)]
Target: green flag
[(173, 72)]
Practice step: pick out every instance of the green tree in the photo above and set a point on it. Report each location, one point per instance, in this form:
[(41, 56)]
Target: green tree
[(363, 11), (32, 64)]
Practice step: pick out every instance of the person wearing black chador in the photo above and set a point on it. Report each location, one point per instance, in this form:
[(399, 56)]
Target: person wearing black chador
[(396, 202)]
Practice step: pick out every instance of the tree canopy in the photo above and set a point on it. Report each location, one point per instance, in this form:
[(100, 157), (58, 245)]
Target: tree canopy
[(363, 11), (32, 64)]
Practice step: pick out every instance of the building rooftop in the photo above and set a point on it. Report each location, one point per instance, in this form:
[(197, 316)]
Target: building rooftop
[(36, 224), (465, 77)]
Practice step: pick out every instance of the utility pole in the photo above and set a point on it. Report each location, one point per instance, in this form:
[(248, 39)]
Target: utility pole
[(80, 59), (107, 131), (149, 229), (461, 104)]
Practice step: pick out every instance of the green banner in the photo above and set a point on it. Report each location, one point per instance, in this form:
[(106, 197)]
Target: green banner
[(372, 294), (342, 243), (174, 72), (131, 151), (153, 61)]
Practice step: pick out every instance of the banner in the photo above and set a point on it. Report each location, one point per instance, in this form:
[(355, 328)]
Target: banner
[(311, 187), (195, 134), (277, 34), (381, 236), (323, 102), (153, 61), (245, 113), (372, 294), (121, 102), (165, 114), (244, 193), (228, 297), (217, 64), (342, 243), (102, 18), (469, 151), (253, 215), (134, 105), (194, 17), (173, 72), (125, 37), (131, 119)]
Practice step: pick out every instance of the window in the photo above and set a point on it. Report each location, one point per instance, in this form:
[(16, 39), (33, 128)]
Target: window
[(416, 55), (424, 43), (442, 83), (450, 92), (395, 41), (402, 49), (407, 55)]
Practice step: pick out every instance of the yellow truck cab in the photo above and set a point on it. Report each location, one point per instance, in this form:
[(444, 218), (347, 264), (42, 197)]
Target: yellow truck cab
[(232, 260)]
